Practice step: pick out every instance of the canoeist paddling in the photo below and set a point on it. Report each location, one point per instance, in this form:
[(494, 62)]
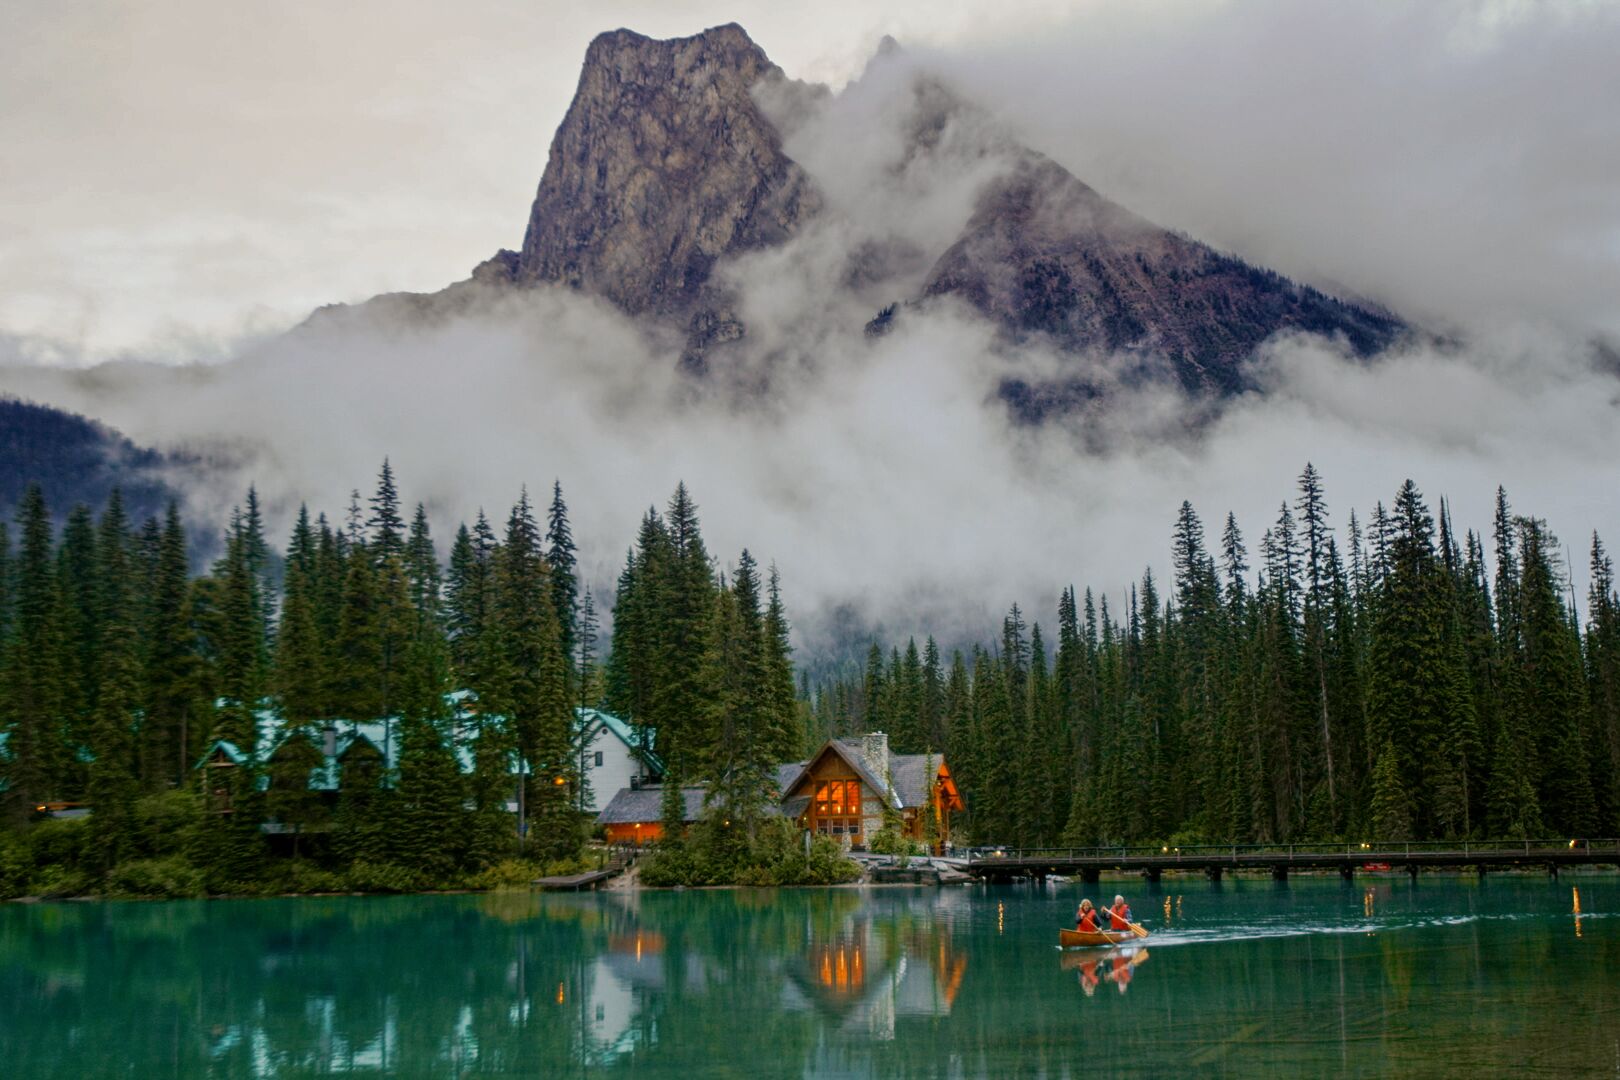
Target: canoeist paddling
[(1088, 928), (1119, 916)]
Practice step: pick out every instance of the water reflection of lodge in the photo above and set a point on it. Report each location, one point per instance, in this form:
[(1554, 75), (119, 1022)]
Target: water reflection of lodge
[(863, 971), (866, 980)]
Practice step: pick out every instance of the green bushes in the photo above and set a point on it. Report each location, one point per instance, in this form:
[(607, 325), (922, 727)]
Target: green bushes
[(170, 878), (14, 867), (717, 855), (180, 849)]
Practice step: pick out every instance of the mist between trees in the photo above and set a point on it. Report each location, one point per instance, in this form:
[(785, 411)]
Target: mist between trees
[(1407, 687)]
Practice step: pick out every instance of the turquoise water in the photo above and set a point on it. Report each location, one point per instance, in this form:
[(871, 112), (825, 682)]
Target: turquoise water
[(1380, 976)]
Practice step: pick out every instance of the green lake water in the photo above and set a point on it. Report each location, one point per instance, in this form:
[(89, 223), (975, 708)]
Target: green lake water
[(1447, 976)]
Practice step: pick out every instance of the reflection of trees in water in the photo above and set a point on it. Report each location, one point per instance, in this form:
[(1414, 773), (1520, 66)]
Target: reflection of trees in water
[(894, 982)]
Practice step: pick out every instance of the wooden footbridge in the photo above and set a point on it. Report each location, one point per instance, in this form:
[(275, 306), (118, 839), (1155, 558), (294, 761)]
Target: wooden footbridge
[(1088, 864)]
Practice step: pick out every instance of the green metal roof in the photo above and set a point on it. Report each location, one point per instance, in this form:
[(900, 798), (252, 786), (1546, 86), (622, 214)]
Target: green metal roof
[(383, 736), (626, 734)]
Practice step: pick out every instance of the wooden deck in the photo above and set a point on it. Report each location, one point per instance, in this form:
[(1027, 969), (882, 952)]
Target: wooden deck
[(590, 879)]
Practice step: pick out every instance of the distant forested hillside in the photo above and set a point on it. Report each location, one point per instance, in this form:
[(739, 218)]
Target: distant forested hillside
[(74, 460)]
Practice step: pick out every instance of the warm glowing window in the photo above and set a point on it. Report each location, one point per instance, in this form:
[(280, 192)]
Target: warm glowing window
[(838, 807), (838, 798)]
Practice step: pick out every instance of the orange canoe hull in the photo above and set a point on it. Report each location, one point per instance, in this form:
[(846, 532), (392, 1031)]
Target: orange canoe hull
[(1075, 938)]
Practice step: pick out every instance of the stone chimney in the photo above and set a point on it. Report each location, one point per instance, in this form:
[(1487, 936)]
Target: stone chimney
[(875, 749)]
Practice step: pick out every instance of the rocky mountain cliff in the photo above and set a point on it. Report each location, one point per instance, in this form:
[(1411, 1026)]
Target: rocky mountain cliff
[(663, 166), (672, 163)]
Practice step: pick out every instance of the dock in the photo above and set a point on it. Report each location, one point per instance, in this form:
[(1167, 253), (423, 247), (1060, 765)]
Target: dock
[(590, 879)]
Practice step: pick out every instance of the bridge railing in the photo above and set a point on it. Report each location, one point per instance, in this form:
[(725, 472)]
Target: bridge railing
[(1369, 851)]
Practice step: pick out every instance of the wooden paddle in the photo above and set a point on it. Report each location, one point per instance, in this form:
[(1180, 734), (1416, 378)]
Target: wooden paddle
[(1135, 929)]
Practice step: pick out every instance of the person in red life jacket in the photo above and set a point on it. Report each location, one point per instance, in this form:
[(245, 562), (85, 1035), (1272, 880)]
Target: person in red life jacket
[(1085, 920), (1088, 977), (1119, 916)]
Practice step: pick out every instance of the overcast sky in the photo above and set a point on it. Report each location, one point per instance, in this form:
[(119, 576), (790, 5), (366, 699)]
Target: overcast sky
[(180, 176)]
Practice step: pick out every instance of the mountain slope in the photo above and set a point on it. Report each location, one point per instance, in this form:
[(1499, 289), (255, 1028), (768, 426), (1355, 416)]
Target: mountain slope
[(75, 460), (1044, 253)]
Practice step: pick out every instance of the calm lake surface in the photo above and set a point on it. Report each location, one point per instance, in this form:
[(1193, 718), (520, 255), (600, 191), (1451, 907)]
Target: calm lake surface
[(1447, 976)]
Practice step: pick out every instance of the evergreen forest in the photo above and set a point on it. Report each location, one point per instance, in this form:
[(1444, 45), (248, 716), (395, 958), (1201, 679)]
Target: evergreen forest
[(1405, 685), (122, 673)]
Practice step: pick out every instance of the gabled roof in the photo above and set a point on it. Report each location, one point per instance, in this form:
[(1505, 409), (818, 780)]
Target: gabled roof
[(851, 755), (646, 805), (912, 782), (786, 774), (625, 733)]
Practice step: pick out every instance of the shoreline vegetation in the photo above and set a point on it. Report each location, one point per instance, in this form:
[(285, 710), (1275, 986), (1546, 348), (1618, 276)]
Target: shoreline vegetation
[(206, 732)]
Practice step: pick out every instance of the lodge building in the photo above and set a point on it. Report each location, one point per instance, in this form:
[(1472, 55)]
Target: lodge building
[(842, 790)]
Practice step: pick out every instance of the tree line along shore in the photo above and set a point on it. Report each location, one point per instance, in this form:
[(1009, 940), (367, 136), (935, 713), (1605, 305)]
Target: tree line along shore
[(1393, 681)]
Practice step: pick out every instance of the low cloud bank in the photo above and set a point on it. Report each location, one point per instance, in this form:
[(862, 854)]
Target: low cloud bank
[(888, 482)]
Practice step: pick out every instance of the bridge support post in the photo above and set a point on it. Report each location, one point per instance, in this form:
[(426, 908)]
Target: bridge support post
[(1552, 870), (1090, 875), (1347, 872), (1412, 868), (1279, 872), (1151, 873), (1481, 870), (1213, 873)]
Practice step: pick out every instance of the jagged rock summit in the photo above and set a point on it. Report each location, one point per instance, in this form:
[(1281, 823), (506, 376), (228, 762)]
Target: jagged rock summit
[(663, 166)]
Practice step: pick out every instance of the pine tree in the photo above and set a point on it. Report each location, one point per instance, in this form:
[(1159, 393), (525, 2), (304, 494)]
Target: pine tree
[(112, 785), (1603, 676), (422, 568), (783, 740), (386, 527), (300, 667), (737, 755), (563, 561), (528, 684), (78, 623), (353, 684), (239, 635), (1391, 813), (687, 600), (170, 668), (1552, 704)]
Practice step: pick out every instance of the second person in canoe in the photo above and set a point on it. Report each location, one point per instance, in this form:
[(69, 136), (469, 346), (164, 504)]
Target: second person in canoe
[(1119, 916)]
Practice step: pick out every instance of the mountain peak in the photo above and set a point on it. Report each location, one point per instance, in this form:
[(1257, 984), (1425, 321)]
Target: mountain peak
[(663, 166)]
